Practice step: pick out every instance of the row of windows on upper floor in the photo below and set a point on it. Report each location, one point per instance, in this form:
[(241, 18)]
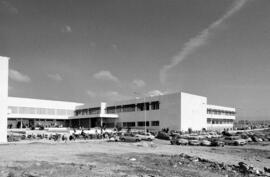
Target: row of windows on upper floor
[(141, 124), (89, 111), (121, 108), (221, 112), (219, 121), (134, 107), (41, 111)]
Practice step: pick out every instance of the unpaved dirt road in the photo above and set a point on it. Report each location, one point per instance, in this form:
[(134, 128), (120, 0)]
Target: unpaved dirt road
[(99, 158)]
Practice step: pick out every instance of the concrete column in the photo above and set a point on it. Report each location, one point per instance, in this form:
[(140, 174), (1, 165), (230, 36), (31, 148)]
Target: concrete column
[(4, 61), (103, 106), (101, 121)]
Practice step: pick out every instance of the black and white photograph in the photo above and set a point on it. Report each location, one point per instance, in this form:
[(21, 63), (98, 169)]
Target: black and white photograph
[(134, 88)]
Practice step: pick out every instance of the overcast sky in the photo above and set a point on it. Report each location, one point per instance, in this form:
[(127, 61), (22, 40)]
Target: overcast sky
[(94, 50)]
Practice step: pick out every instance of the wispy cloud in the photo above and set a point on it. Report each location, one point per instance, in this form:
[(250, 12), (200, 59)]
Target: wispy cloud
[(66, 29), (155, 93), (9, 8), (105, 75), (56, 77), (194, 43), (138, 83), (18, 76)]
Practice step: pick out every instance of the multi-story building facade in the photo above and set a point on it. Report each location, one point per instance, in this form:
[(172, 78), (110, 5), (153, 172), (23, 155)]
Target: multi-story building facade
[(176, 111)]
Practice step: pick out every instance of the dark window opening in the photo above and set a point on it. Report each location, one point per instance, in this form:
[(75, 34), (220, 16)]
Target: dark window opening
[(129, 108), (118, 109), (141, 124), (110, 109), (140, 107), (155, 123), (129, 124), (155, 105), (94, 110)]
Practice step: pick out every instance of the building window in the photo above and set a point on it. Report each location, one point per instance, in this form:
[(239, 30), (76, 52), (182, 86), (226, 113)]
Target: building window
[(77, 112), (14, 110), (209, 121), (94, 110), (118, 109), (129, 124), (220, 112), (140, 106), (51, 112), (219, 121), (143, 106), (142, 124), (147, 105), (129, 108), (110, 109), (155, 105), (63, 112), (85, 112), (155, 123)]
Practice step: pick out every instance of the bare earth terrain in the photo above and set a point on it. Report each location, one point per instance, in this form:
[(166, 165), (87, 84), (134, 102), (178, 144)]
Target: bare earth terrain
[(100, 158)]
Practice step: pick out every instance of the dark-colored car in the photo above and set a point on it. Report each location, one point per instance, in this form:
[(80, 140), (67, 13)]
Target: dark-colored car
[(129, 137), (178, 141), (217, 142), (163, 136)]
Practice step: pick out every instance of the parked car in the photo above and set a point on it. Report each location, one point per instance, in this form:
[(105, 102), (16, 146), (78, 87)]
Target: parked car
[(145, 136), (163, 135), (179, 141), (114, 138), (217, 142), (128, 137), (12, 138), (255, 138), (194, 142), (234, 140), (205, 143)]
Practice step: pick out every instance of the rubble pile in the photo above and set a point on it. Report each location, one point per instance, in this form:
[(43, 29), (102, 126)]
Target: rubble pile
[(242, 167)]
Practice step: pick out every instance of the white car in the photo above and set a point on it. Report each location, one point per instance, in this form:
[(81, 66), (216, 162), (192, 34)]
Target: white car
[(145, 136)]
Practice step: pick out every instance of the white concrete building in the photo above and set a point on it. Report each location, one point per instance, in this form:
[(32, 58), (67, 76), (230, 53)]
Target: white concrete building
[(26, 112), (3, 98), (176, 111), (219, 117)]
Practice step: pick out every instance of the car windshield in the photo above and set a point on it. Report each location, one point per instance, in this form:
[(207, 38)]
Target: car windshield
[(228, 138)]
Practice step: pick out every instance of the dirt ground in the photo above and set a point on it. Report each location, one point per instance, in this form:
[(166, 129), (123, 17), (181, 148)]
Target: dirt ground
[(100, 158)]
